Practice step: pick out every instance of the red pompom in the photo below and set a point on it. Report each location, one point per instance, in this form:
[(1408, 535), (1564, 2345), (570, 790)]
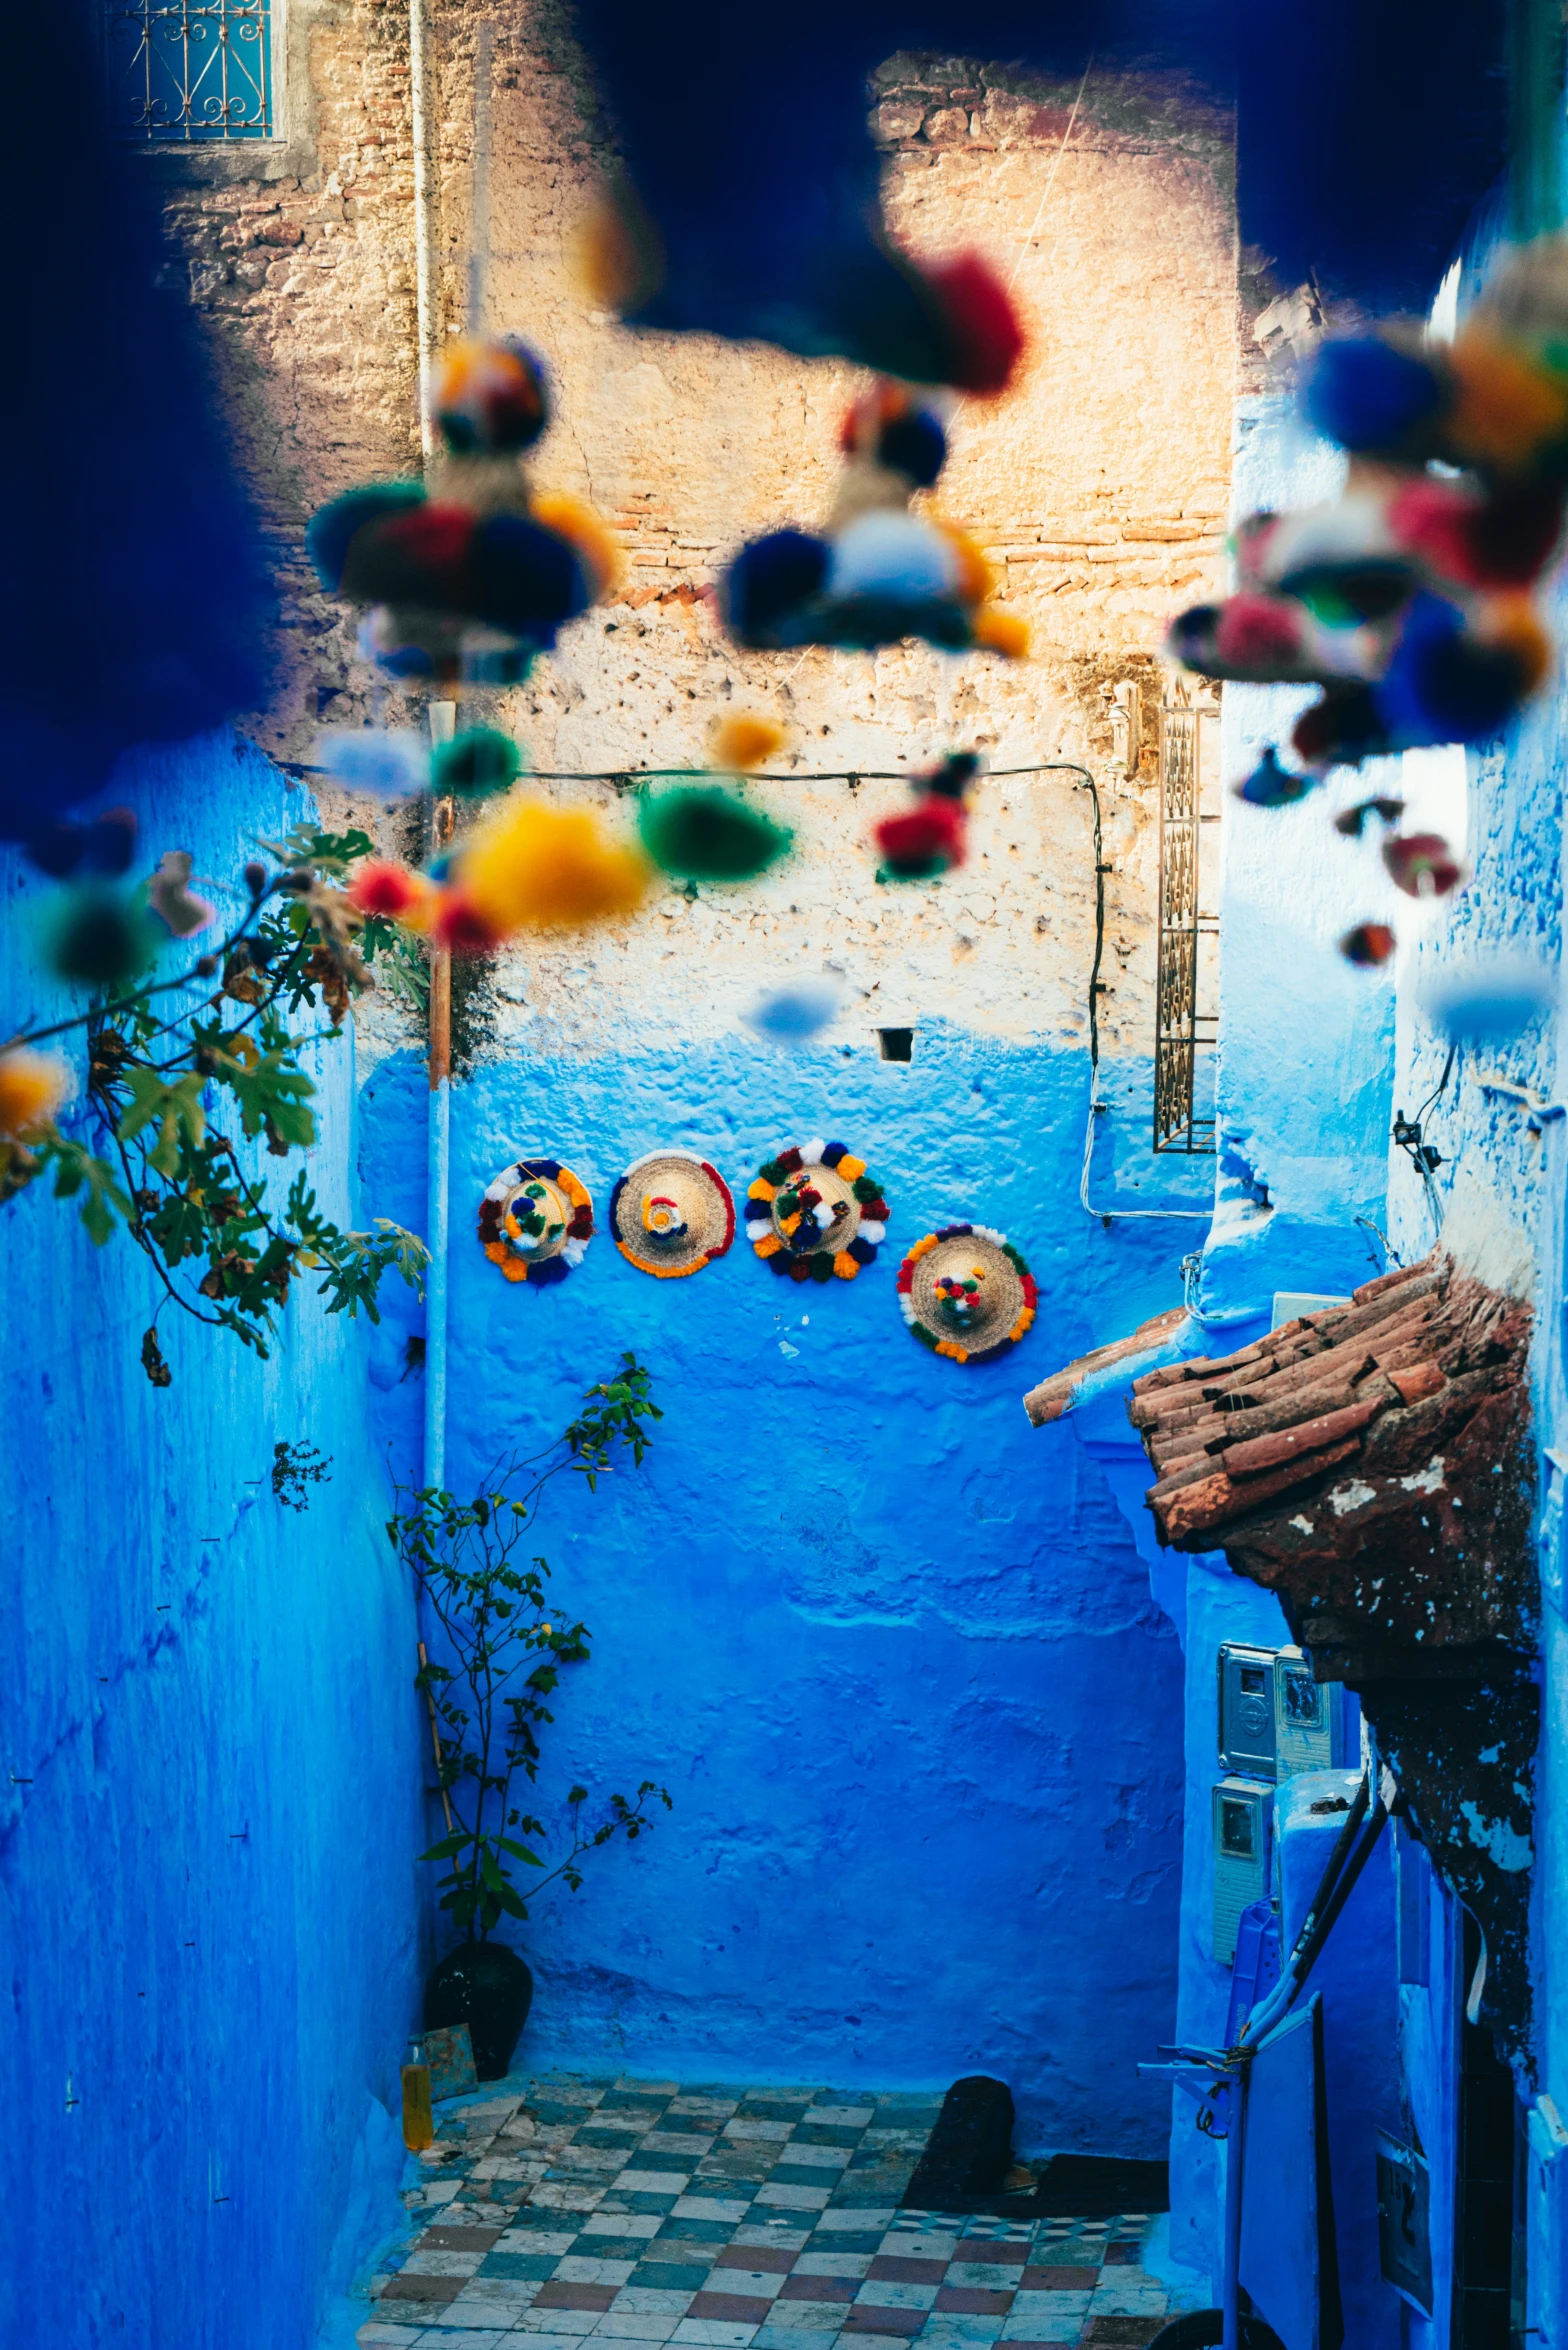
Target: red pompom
[(1257, 632), (1502, 539), (984, 329), (460, 928), (1422, 864), (422, 556), (1368, 945), (926, 841), (380, 888)]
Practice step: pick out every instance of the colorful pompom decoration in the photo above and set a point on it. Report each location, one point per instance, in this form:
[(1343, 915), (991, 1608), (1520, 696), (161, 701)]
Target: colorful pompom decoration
[(1352, 822), (535, 1221), (474, 577), (532, 866), (671, 1214), (744, 741), (32, 1088), (1422, 864), (879, 573), (1272, 786), (814, 1214), (929, 839), (700, 832), (475, 764), (1368, 946), (966, 1293)]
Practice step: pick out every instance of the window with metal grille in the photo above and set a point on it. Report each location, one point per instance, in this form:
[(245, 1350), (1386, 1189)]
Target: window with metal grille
[(190, 70), (1185, 975)]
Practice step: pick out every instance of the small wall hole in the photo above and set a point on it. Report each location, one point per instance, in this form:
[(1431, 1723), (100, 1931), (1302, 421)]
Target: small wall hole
[(898, 1044)]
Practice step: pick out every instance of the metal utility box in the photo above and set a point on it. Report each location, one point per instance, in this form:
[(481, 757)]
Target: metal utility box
[(1308, 1717), (1241, 1856), (1247, 1710)]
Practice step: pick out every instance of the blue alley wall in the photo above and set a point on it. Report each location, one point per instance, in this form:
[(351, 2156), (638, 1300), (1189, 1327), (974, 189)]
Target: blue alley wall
[(893, 1653), (209, 1760)]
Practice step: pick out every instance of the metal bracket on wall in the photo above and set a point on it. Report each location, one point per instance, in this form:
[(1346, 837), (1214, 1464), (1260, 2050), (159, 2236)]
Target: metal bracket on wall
[(1184, 1028)]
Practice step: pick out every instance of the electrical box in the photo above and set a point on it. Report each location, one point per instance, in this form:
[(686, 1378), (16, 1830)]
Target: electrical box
[(1241, 1856), (1308, 1715), (1247, 1710)]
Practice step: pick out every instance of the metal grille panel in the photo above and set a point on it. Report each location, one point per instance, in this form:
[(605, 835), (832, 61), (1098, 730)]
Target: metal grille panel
[(184, 70), (1184, 1033)]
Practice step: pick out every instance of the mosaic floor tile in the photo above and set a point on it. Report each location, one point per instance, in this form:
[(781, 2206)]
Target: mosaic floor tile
[(716, 2216)]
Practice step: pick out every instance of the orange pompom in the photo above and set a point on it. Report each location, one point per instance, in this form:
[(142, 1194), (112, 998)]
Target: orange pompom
[(32, 1087), (744, 741), (1513, 624), (1001, 632), (595, 542), (975, 578), (615, 255), (1507, 409)]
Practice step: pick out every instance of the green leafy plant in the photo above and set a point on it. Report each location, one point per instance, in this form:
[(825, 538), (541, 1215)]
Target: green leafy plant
[(186, 1190), (295, 1468), (508, 1649)]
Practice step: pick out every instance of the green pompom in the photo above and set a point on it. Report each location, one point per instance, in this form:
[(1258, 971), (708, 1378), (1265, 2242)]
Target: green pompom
[(822, 1266), (866, 1188), (771, 1172), (924, 1335), (475, 764), (701, 833), (101, 939)]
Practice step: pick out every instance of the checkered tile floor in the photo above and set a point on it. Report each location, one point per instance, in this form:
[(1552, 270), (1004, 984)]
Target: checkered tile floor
[(645, 2212)]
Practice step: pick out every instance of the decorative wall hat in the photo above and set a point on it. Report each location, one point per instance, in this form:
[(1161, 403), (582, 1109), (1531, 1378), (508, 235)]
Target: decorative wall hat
[(535, 1221), (671, 1214), (814, 1212), (966, 1292)]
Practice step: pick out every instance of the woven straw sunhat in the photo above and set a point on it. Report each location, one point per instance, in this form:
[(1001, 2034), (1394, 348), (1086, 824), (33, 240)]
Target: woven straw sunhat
[(966, 1292), (814, 1212), (671, 1214), (536, 1220)]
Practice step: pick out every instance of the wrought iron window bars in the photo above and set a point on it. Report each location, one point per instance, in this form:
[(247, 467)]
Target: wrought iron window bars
[(189, 70), (1184, 1030)]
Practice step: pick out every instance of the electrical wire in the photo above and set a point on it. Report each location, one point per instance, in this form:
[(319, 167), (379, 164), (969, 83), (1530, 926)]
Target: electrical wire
[(625, 777)]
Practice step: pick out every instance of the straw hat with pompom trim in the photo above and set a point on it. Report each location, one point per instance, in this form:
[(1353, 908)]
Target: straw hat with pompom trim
[(671, 1214), (815, 1213), (535, 1221), (966, 1293)]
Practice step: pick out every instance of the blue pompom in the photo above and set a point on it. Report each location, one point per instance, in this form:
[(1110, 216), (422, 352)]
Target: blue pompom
[(527, 578), (1367, 396), (769, 580), (1272, 786), (915, 445), (1443, 684)]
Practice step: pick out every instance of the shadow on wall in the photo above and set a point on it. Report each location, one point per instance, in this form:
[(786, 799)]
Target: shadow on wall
[(893, 1653)]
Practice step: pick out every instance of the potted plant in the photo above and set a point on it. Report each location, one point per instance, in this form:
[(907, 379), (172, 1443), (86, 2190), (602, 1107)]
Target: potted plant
[(506, 1649)]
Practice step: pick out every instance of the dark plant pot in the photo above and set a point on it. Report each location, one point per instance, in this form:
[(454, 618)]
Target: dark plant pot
[(487, 1987)]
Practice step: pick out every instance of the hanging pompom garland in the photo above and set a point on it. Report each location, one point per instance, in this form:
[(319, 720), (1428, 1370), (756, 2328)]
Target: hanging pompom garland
[(815, 1213), (930, 838), (535, 1221), (879, 573), (966, 1293), (671, 1214), (474, 576)]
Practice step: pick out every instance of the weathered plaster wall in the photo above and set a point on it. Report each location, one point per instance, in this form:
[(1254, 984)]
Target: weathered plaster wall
[(901, 1672), (209, 1757)]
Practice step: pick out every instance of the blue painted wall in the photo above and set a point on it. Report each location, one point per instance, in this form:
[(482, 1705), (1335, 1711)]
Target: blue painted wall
[(893, 1653), (209, 1760)]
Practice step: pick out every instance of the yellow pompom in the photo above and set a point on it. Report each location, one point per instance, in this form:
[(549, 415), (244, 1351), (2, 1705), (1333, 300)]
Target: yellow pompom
[(975, 576), (614, 255), (846, 1266), (850, 1169), (32, 1087), (1507, 408), (530, 864), (745, 741), (1001, 632), (589, 534)]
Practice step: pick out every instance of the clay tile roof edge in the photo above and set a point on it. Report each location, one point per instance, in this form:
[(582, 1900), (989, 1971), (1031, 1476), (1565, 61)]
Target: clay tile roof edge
[(1078, 1382)]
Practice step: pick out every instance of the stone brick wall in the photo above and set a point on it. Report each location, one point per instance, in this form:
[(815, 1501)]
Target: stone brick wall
[(1098, 488)]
